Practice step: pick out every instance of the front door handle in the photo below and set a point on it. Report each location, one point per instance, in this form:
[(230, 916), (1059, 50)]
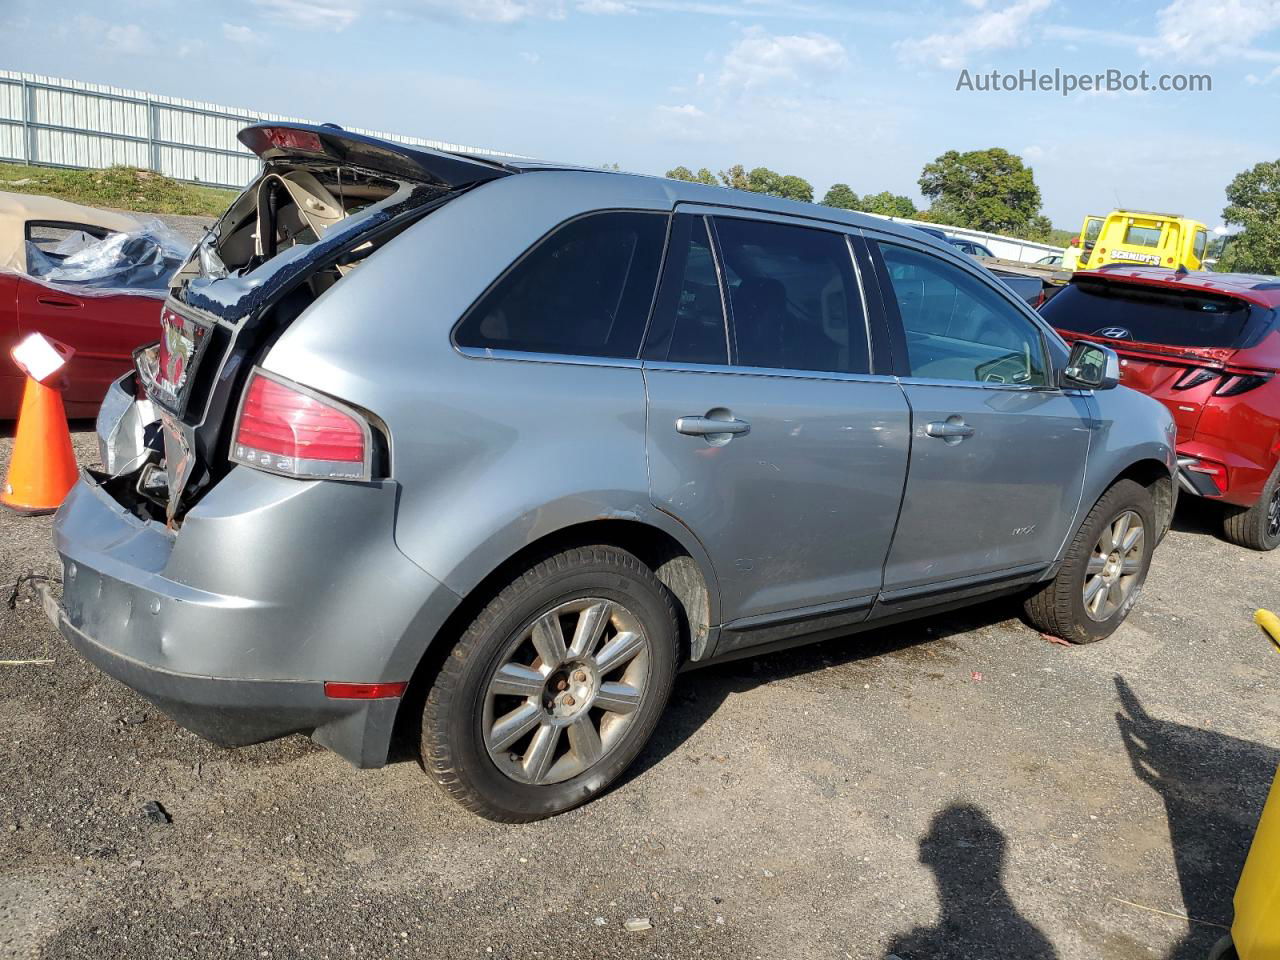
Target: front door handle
[(953, 430), (55, 302), (710, 426)]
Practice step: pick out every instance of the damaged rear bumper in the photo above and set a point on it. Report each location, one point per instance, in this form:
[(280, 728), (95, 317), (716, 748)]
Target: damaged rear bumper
[(233, 624)]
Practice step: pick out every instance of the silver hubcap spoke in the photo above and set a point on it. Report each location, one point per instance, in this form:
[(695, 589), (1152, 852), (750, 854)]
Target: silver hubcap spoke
[(548, 639), (619, 650), (1111, 572), (553, 709)]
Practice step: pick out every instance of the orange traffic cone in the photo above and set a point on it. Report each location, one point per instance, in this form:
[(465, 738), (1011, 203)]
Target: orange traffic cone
[(43, 467)]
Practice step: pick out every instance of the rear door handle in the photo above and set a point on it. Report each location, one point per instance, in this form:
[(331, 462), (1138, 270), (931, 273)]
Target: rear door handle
[(62, 304), (709, 426), (952, 431)]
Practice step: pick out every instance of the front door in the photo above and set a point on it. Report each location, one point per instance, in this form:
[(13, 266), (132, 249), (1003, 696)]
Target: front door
[(997, 454), (768, 436)]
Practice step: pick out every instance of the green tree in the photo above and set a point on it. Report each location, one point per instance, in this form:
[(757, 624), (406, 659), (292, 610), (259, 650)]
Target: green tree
[(736, 177), (788, 186), (706, 176), (680, 173), (1253, 202), (841, 195), (888, 204), (795, 188), (982, 189)]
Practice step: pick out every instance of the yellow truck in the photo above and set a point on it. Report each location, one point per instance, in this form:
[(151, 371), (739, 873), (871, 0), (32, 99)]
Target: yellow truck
[(1139, 238)]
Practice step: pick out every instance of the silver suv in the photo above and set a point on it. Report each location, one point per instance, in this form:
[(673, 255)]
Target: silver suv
[(488, 451)]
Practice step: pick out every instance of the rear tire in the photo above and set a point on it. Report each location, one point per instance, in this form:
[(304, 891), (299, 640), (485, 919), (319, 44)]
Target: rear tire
[(1099, 580), (1256, 527), (554, 689)]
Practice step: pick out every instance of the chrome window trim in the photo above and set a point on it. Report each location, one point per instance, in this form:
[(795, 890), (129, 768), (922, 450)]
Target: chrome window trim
[(585, 360), (774, 372)]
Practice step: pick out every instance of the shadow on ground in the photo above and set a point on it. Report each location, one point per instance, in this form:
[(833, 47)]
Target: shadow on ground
[(1213, 787), (966, 853)]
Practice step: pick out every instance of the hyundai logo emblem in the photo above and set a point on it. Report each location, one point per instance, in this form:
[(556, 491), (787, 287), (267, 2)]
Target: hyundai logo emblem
[(1113, 333)]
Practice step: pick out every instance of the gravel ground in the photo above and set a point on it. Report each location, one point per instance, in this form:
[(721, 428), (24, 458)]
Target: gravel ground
[(957, 787)]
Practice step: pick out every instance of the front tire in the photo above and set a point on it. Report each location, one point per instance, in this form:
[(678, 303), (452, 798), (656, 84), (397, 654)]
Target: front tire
[(554, 688), (1104, 570), (1256, 527)]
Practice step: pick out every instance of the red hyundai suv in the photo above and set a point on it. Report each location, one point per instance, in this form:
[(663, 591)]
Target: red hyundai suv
[(1206, 345)]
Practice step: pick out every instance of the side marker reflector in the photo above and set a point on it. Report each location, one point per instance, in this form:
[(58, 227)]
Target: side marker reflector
[(363, 691)]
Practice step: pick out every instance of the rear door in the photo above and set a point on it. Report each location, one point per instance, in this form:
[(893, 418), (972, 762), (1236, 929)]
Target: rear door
[(771, 436), (997, 455)]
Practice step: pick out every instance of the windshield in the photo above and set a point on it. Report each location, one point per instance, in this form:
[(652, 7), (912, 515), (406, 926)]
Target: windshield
[(1150, 315)]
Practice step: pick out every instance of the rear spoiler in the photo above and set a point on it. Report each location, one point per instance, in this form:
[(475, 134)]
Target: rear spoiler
[(299, 141)]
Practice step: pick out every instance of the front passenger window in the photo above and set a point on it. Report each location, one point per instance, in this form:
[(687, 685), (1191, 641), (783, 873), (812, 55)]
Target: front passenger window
[(959, 327)]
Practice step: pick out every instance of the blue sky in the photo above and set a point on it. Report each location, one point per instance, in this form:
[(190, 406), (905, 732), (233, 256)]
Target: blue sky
[(860, 93)]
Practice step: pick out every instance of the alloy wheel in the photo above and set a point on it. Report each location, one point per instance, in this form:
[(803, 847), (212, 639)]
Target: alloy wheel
[(565, 691), (1114, 566), (1273, 513)]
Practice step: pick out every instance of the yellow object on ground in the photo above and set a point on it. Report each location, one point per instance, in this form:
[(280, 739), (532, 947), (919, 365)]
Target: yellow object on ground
[(1256, 928), (1140, 239), (1269, 622)]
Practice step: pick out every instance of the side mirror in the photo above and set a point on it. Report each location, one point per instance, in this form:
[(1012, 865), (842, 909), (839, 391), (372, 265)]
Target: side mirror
[(1091, 367)]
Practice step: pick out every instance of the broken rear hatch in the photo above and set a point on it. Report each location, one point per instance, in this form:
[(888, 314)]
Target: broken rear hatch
[(1177, 345), (325, 201)]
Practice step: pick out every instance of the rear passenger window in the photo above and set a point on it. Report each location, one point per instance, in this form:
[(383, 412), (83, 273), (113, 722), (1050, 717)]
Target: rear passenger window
[(584, 290), (688, 323), (794, 297)]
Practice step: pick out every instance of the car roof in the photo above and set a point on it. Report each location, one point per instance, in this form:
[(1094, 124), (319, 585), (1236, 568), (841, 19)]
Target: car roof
[(685, 191), (17, 209), (1253, 287)]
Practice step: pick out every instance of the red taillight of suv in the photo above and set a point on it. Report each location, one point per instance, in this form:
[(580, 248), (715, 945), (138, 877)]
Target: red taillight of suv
[(288, 429)]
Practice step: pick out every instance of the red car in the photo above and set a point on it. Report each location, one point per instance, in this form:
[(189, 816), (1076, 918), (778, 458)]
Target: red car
[(1208, 346), (93, 279)]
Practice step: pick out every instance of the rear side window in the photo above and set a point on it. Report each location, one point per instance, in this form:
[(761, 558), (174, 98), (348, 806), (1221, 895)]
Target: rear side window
[(688, 322), (1174, 318), (584, 290), (794, 298), (1202, 241)]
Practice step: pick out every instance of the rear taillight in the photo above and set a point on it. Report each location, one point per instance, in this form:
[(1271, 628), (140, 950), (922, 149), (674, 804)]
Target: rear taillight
[(1194, 378), (1237, 383), (285, 428)]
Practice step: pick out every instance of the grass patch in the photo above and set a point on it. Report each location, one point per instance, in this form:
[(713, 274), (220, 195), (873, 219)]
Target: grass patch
[(123, 188)]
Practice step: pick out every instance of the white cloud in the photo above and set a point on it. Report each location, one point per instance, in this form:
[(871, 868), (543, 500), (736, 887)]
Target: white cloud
[(238, 33), (312, 14), (528, 56), (490, 11), (684, 110), (1205, 31), (987, 30), (1032, 152), (760, 58), (127, 39), (605, 7)]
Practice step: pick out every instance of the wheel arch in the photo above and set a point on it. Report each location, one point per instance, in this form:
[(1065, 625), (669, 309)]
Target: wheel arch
[(1155, 476), (676, 557)]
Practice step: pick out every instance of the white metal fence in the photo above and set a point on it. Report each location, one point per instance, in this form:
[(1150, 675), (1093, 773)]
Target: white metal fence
[(49, 121)]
